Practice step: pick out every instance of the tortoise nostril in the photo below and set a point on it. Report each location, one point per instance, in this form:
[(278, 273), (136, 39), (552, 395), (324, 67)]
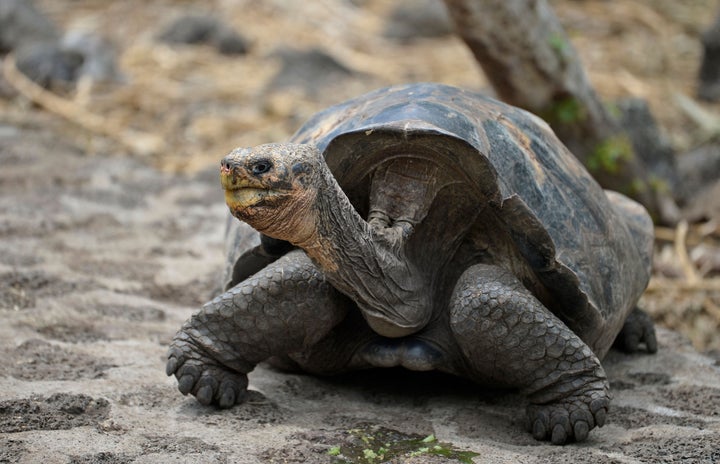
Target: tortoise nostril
[(225, 164)]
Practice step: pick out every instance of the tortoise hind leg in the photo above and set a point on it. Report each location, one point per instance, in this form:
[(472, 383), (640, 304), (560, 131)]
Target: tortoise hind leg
[(637, 330), (508, 337), (285, 307)]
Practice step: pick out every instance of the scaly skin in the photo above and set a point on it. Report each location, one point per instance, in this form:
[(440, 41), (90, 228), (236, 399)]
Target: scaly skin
[(286, 307), (508, 337), (505, 336)]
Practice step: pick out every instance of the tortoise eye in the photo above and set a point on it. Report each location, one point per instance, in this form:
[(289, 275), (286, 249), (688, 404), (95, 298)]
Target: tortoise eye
[(261, 167)]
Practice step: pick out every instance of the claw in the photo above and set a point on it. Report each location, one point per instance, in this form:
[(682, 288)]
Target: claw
[(541, 425), (651, 341), (598, 408), (202, 376), (171, 365), (570, 419), (580, 430), (559, 435), (539, 430), (204, 395), (582, 415), (227, 398), (231, 392), (600, 417), (186, 383)]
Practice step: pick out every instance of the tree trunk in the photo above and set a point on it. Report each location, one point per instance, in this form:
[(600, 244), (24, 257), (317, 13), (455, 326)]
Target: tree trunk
[(709, 85), (530, 62)]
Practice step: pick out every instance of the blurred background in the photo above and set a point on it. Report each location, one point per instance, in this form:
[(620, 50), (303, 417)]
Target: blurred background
[(180, 83)]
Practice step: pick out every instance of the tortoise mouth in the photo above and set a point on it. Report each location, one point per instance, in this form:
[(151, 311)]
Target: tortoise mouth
[(242, 192), (240, 198)]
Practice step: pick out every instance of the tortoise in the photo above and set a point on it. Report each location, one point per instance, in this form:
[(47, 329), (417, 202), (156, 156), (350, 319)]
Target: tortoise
[(432, 228)]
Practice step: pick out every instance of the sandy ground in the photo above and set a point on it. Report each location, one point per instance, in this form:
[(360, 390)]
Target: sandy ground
[(102, 258)]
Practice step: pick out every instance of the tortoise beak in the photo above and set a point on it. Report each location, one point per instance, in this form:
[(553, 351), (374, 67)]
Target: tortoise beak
[(233, 177), (241, 189)]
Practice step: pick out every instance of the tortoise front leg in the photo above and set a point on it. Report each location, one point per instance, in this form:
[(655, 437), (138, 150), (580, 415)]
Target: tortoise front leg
[(509, 338), (286, 307)]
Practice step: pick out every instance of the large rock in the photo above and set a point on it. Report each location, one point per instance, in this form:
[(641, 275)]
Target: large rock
[(21, 24), (194, 29), (47, 58), (102, 258)]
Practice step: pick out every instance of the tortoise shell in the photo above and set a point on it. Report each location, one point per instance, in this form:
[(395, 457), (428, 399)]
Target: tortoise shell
[(511, 194)]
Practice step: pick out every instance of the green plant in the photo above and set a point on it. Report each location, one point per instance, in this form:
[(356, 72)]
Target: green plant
[(363, 447), (610, 155)]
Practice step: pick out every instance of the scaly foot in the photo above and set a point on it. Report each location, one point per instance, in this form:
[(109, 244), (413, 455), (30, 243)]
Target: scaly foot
[(202, 376), (572, 417), (638, 330)]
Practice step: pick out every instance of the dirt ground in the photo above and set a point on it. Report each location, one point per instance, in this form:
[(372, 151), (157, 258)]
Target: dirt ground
[(111, 236)]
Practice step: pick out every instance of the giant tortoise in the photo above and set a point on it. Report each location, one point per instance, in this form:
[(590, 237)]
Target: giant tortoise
[(432, 228)]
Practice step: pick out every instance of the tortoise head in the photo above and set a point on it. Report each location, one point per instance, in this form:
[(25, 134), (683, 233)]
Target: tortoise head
[(273, 188)]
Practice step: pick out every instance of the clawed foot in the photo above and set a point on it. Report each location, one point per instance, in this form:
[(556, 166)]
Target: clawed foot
[(569, 419), (638, 330), (204, 378)]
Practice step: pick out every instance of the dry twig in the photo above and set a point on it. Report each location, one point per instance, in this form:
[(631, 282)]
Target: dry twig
[(712, 308), (696, 234), (140, 143), (667, 234), (688, 269), (708, 123), (661, 284)]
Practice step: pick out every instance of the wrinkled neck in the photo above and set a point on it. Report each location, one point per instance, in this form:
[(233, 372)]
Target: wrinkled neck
[(367, 264)]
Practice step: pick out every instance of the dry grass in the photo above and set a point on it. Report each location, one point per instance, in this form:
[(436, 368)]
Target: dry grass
[(684, 293)]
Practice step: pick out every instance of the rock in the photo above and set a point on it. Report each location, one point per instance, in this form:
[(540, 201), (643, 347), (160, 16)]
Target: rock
[(58, 64), (705, 204), (48, 64), (311, 70), (699, 174), (22, 24), (33, 38), (99, 57), (79, 54), (47, 58), (414, 19), (103, 257), (204, 29)]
